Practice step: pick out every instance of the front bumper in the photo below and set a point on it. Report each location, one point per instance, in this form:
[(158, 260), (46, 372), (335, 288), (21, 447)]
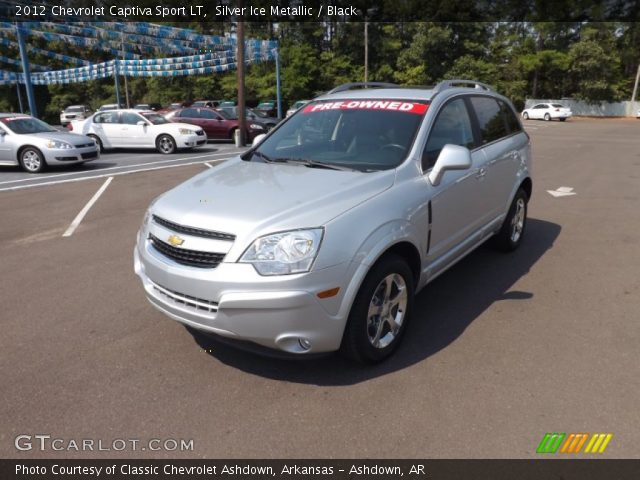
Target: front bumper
[(190, 141), (233, 301), (70, 155)]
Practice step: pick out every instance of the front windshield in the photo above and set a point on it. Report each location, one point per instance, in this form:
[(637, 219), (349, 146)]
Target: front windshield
[(155, 118), (27, 125), (359, 134), (74, 109)]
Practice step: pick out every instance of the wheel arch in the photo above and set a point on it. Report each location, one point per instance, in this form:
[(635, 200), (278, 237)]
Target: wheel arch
[(24, 147), (527, 186)]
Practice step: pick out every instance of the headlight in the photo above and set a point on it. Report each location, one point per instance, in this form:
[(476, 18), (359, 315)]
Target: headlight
[(284, 253), (58, 144), (255, 126), (186, 131)]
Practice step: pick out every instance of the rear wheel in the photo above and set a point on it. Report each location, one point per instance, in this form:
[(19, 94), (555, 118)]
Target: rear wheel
[(32, 160), (380, 312), (166, 144), (512, 231), (562, 119), (525, 115), (547, 117)]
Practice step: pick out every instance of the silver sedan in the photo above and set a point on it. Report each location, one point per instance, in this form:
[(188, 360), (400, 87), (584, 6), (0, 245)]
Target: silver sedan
[(34, 144)]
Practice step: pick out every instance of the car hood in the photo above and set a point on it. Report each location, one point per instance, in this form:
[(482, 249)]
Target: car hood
[(72, 138), (255, 198), (177, 125)]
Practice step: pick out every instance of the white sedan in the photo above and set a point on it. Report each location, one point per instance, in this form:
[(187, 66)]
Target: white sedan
[(139, 129), (547, 111)]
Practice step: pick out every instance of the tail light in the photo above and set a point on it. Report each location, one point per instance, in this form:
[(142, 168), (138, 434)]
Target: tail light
[(70, 126)]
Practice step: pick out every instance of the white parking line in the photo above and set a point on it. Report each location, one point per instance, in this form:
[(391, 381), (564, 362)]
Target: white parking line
[(111, 168), (56, 182), (208, 165), (83, 212)]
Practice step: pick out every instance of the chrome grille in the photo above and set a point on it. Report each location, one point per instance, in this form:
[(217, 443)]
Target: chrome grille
[(186, 300), (196, 232), (192, 258)]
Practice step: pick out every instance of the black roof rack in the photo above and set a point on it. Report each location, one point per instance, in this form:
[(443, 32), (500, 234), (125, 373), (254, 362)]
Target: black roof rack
[(446, 84), (351, 86)]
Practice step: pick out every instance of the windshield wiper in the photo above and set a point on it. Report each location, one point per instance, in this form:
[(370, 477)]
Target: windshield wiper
[(262, 156), (314, 164)]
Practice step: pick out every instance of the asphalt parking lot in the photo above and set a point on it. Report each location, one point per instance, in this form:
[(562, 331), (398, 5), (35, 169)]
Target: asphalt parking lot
[(502, 348)]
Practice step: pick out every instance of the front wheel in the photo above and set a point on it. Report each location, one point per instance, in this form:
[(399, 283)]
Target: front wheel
[(166, 144), (512, 231), (32, 160), (380, 312), (547, 117), (525, 115)]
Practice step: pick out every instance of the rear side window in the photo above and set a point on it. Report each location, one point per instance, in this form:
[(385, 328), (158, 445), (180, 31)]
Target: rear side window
[(510, 118), (107, 117), (491, 120), (452, 126), (189, 113), (557, 105)]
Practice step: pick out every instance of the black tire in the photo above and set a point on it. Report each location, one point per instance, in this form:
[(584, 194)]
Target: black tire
[(166, 144), (510, 235), (31, 160), (98, 141), (357, 341), (525, 115), (562, 119), (547, 117), (232, 134)]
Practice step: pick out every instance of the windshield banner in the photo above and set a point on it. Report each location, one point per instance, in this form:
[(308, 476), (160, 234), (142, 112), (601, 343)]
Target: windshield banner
[(395, 105)]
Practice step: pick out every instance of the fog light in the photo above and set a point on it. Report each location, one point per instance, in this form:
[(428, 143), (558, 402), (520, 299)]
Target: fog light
[(304, 343)]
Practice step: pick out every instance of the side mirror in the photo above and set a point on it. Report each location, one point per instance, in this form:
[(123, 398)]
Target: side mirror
[(257, 139), (142, 123), (452, 157)]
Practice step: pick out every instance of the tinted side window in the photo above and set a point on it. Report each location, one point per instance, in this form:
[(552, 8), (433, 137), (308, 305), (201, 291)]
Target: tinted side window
[(490, 119), (208, 114), (189, 113), (107, 117), (130, 118), (510, 117), (453, 126)]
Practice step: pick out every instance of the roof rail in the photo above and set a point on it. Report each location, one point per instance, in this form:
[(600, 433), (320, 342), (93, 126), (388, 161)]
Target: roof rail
[(445, 84), (350, 86)]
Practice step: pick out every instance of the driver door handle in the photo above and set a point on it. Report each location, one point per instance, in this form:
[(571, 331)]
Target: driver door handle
[(481, 173)]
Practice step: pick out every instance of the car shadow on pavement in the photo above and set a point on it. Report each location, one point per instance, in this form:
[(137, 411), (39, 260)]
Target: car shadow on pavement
[(442, 312)]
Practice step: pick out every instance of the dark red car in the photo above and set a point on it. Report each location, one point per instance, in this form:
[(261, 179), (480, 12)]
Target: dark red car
[(218, 125)]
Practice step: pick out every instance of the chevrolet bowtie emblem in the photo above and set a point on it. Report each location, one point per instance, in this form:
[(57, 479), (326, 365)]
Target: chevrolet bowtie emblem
[(175, 240)]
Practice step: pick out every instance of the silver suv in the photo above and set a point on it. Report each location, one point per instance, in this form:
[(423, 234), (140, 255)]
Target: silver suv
[(318, 237)]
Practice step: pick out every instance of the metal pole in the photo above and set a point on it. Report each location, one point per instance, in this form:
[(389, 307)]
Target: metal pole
[(635, 87), (27, 73), (19, 97), (115, 76), (278, 90), (366, 51), (126, 85), (240, 64)]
